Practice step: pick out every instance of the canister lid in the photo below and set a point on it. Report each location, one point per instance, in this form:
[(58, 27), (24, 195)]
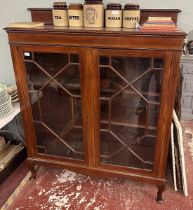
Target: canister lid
[(60, 5), (93, 1), (75, 6), (114, 6), (131, 7)]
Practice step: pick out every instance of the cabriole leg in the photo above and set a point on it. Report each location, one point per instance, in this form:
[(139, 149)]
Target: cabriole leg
[(31, 167), (160, 191)]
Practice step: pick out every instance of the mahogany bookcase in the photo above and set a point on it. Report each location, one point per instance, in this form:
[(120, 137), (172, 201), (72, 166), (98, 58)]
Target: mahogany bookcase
[(98, 102)]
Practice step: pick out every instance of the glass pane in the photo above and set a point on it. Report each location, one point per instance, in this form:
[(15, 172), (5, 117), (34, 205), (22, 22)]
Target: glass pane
[(70, 79), (55, 93), (51, 62), (129, 100)]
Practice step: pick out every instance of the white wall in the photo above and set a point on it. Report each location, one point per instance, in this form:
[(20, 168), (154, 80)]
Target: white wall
[(11, 11)]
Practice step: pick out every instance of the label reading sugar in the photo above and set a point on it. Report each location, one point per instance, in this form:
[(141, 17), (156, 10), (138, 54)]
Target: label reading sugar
[(114, 12)]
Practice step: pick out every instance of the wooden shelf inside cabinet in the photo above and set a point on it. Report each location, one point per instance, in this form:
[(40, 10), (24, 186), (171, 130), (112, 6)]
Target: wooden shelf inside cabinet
[(101, 107)]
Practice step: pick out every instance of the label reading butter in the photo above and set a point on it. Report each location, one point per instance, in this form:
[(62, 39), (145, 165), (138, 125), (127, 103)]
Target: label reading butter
[(73, 17)]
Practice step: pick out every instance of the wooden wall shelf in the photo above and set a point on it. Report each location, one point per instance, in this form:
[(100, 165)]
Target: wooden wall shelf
[(45, 14)]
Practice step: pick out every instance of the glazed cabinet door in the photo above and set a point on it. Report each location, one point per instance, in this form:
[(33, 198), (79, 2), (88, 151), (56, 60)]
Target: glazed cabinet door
[(53, 80), (130, 100)]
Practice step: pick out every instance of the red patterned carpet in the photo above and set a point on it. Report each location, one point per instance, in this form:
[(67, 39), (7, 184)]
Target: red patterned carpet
[(57, 189)]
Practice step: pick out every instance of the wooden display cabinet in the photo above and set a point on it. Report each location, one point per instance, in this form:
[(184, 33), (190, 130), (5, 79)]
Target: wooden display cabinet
[(98, 102)]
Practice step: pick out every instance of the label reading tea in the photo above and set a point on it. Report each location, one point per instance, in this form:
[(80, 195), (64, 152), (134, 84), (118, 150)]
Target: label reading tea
[(57, 17)]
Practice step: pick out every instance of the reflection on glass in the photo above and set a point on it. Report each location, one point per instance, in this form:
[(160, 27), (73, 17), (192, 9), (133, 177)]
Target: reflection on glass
[(130, 98), (54, 89)]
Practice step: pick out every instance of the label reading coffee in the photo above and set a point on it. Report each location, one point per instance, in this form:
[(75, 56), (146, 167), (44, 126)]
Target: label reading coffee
[(131, 18)]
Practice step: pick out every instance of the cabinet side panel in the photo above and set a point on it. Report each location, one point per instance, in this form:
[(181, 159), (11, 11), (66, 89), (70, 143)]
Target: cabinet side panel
[(170, 79)]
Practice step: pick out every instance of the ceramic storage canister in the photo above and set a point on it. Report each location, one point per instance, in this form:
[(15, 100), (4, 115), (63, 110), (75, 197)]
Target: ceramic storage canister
[(75, 15), (113, 15), (131, 15), (93, 13), (60, 14)]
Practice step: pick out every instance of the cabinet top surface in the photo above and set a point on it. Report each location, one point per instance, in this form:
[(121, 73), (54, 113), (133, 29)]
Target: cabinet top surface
[(94, 31)]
